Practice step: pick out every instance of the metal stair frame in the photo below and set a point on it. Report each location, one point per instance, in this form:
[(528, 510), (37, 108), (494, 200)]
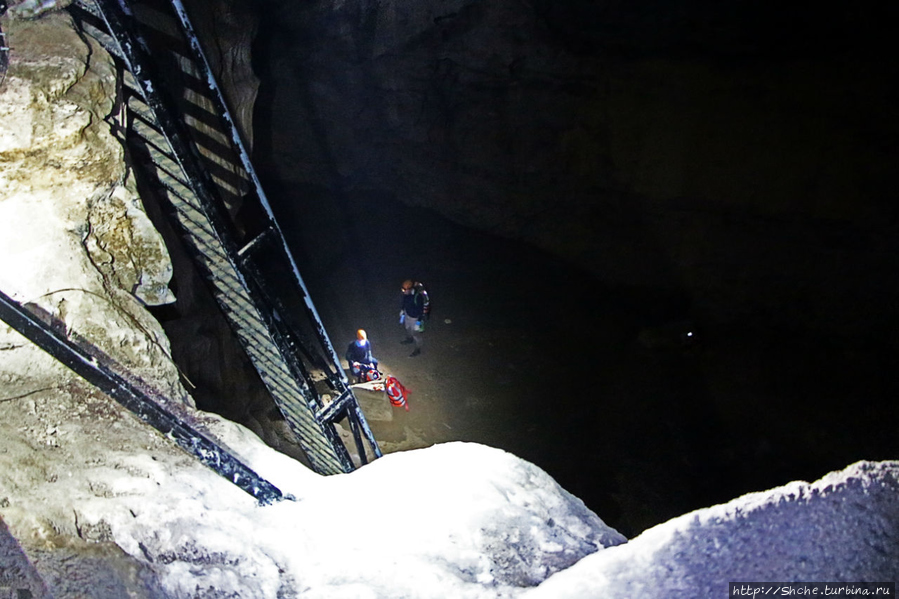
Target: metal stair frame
[(128, 47), (99, 370)]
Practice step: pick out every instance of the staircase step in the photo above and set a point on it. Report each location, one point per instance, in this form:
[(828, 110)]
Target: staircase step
[(185, 143)]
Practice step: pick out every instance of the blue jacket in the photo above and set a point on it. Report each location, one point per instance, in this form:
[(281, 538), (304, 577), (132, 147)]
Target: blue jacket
[(360, 353)]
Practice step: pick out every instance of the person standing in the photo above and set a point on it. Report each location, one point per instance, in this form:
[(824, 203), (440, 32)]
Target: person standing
[(415, 307), (362, 363)]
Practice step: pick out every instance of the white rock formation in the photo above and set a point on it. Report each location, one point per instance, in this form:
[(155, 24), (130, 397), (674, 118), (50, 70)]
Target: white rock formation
[(843, 528), (75, 240)]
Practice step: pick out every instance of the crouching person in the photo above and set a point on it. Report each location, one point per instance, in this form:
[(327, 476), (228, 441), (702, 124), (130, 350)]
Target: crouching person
[(362, 364)]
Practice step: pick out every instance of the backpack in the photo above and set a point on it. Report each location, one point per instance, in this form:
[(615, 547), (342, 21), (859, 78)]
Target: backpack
[(396, 392), (426, 306)]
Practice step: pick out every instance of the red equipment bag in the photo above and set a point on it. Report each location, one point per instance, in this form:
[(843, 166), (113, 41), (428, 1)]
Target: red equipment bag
[(396, 393)]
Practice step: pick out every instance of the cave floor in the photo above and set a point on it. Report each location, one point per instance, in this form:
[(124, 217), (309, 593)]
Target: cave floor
[(527, 354)]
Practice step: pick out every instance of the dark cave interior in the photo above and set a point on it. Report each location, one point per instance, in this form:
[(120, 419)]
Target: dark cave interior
[(587, 371)]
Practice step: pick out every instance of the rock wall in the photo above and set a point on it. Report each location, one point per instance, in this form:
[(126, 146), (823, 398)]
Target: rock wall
[(700, 553), (76, 242), (740, 155), (78, 247), (226, 29)]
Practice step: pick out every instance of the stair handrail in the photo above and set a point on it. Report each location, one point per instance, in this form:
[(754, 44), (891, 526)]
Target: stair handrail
[(98, 369), (260, 193)]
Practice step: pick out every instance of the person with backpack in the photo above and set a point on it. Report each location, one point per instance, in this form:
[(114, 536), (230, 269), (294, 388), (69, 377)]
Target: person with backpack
[(359, 358), (416, 307)]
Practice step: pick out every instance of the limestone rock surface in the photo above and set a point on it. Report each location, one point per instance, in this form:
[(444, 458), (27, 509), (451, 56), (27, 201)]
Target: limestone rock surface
[(740, 156)]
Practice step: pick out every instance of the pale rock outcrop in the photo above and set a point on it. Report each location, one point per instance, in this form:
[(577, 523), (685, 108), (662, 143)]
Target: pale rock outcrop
[(842, 528), (76, 242), (77, 248)]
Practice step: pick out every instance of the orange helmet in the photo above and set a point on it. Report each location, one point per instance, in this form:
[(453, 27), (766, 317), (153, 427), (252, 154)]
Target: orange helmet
[(407, 284), (360, 335)]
